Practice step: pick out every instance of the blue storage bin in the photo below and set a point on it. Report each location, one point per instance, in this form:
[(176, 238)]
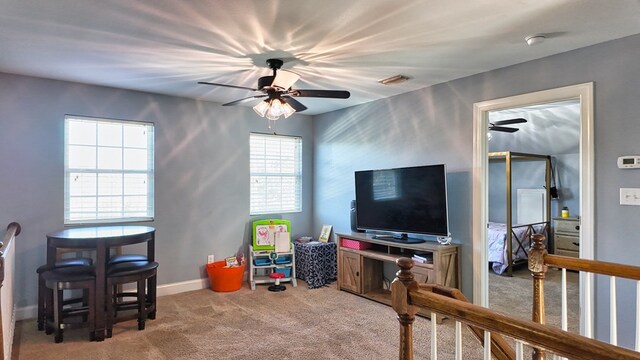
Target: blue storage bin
[(285, 271), (281, 260), (261, 261)]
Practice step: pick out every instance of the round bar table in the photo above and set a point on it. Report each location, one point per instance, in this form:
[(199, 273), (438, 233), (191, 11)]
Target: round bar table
[(102, 238)]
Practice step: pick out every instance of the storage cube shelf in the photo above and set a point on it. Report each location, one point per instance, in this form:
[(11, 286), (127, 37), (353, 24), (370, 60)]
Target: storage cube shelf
[(261, 265)]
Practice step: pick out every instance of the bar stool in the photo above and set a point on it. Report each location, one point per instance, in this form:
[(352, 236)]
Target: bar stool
[(128, 272), (119, 257), (122, 258), (42, 288), (69, 278)]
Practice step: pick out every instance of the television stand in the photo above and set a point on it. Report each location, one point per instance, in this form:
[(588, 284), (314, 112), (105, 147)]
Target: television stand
[(361, 266)]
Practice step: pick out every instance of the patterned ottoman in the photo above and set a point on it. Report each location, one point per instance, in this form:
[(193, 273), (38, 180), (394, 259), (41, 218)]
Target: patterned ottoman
[(316, 263)]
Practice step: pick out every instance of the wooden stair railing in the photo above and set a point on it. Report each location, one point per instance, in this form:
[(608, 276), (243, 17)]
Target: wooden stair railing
[(540, 261), (7, 311), (408, 298)]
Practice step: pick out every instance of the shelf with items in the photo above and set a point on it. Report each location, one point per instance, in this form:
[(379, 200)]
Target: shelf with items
[(361, 262), (271, 252), (264, 262)]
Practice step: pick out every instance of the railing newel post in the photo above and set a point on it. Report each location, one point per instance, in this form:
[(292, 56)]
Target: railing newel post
[(400, 287), (538, 270)]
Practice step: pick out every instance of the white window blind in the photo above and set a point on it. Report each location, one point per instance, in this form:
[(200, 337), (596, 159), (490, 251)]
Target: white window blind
[(276, 174), (108, 166)]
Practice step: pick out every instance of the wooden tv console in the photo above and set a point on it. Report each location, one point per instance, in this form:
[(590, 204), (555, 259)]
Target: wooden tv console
[(361, 271)]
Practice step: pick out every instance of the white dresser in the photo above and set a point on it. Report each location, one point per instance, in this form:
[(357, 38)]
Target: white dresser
[(566, 236)]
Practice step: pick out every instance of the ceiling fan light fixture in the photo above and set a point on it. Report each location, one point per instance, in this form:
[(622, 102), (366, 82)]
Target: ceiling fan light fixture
[(278, 94), (394, 80), (275, 110), (261, 108), (288, 110)]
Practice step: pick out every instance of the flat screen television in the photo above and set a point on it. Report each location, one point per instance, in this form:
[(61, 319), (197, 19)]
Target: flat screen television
[(403, 200)]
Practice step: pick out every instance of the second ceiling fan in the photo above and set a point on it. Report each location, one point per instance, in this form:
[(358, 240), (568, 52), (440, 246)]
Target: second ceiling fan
[(277, 94), (498, 125)]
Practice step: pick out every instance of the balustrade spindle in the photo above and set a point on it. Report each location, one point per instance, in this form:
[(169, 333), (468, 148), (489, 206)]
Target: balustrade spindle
[(613, 312), (458, 340), (638, 316)]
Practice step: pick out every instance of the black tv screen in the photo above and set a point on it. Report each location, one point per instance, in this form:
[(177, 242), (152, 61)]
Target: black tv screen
[(405, 200)]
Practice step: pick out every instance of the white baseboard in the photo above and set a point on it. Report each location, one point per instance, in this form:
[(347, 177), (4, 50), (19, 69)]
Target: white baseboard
[(27, 312), (31, 311), (183, 286)]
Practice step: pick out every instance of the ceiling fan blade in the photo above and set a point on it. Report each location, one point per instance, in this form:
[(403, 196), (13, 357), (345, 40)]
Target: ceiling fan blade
[(285, 79), (331, 94), (242, 101), (510, 121), (297, 105), (503, 129), (226, 85)]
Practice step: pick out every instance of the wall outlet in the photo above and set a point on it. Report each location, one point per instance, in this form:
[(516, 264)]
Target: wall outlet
[(210, 259)]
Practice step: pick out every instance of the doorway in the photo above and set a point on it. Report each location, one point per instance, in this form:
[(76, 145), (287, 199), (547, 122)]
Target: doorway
[(584, 94)]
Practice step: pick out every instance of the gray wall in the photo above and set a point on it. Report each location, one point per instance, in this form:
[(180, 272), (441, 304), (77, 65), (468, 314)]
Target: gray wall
[(201, 171), (434, 125), (567, 171)]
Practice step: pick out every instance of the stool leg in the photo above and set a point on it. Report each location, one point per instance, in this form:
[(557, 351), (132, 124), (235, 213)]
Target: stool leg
[(92, 311), (142, 306), (48, 310), (42, 290), (57, 314), (109, 296), (151, 289)]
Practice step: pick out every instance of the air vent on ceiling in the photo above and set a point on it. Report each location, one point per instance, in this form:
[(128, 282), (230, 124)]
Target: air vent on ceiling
[(394, 80)]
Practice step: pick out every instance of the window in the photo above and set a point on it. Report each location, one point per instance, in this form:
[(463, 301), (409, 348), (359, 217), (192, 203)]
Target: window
[(276, 174), (108, 170)]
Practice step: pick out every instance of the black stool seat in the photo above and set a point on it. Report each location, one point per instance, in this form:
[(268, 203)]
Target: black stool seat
[(68, 274), (130, 268), (117, 259), (66, 263), (69, 278)]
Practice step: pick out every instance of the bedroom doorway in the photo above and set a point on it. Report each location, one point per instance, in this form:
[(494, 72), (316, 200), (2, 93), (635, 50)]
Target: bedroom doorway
[(490, 113)]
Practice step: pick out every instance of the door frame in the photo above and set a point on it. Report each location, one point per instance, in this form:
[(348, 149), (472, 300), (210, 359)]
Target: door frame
[(583, 92)]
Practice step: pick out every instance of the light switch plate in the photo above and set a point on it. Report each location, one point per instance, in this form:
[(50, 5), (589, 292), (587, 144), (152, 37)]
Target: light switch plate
[(629, 196)]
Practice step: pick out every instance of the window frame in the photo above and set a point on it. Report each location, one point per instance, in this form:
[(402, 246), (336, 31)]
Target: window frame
[(150, 172), (297, 176)]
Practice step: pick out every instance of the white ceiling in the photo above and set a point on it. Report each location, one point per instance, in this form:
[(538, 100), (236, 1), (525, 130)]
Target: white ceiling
[(166, 46)]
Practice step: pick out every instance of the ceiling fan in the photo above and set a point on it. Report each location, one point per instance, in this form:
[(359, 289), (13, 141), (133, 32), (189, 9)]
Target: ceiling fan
[(497, 125), (277, 93)]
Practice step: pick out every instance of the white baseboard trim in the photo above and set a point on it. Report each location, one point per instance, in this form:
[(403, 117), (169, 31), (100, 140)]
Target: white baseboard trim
[(183, 286), (31, 311), (27, 312)]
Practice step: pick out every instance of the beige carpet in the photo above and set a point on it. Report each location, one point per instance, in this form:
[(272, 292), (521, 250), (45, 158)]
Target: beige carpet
[(296, 324), (514, 296)]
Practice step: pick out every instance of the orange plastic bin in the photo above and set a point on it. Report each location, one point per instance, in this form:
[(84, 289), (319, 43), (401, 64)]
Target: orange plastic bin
[(224, 279)]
